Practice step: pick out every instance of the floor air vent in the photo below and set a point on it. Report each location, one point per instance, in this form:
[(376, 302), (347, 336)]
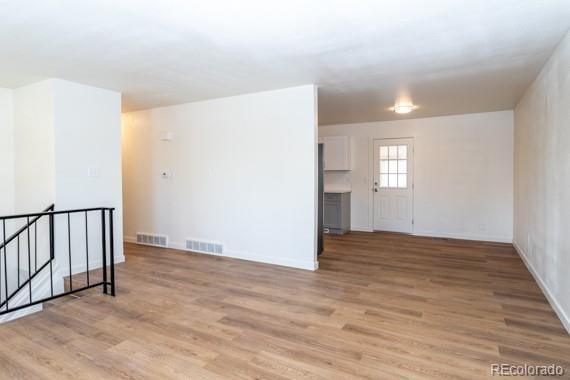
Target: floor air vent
[(204, 246), (150, 239)]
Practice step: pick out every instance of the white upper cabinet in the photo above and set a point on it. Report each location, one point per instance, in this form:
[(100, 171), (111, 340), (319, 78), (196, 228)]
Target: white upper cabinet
[(336, 152)]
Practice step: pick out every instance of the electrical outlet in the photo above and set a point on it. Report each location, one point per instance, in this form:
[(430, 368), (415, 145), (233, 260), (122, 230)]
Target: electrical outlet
[(165, 174)]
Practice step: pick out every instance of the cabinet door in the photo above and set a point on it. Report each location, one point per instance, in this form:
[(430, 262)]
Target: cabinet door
[(337, 153), (332, 214)]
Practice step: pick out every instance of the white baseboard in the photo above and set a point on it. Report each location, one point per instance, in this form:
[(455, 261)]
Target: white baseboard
[(562, 315), (246, 256), (40, 289), (361, 229), (494, 239), (311, 265), (257, 258), (20, 313)]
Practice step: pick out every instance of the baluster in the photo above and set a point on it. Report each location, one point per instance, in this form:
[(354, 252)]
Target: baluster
[(36, 244), (69, 250), (104, 250), (87, 246), (112, 252), (18, 249), (29, 259), (5, 265), (3, 238), (51, 250)]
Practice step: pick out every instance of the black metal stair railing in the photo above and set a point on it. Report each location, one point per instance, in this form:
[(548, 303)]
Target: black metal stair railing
[(16, 236), (10, 250)]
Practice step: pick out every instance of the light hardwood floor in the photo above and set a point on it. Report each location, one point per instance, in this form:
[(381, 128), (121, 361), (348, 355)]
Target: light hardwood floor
[(382, 306)]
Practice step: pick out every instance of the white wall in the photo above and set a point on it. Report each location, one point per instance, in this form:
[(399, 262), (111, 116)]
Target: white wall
[(88, 157), (64, 131), (243, 174), (542, 179), (6, 152), (463, 173), (34, 147), (34, 159)]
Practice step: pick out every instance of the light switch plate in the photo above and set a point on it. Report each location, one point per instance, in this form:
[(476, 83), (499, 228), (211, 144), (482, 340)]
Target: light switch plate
[(93, 172)]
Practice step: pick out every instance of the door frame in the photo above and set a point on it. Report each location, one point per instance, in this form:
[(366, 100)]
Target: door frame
[(371, 179)]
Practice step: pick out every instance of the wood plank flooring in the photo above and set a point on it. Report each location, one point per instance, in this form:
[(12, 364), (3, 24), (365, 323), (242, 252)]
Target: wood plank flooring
[(381, 306)]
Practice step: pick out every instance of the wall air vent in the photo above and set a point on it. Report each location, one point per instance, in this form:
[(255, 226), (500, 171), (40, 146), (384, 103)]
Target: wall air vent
[(204, 246), (152, 239)]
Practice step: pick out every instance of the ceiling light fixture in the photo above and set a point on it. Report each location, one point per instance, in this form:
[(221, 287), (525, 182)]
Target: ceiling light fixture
[(403, 108)]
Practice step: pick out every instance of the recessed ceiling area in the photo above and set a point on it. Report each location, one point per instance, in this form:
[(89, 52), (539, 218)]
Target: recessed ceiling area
[(444, 56)]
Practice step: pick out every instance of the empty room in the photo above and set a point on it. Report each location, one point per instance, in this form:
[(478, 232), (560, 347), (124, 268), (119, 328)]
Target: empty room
[(325, 189)]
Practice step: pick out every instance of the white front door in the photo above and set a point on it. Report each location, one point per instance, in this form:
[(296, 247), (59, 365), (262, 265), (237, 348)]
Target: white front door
[(393, 185)]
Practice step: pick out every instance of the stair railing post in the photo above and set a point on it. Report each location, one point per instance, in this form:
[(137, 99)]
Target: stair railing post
[(104, 250), (29, 260), (51, 250), (51, 237), (5, 266), (112, 252), (69, 250)]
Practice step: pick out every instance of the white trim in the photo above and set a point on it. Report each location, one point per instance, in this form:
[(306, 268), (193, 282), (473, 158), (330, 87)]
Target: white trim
[(257, 258), (361, 229), (41, 288), (22, 312), (487, 238), (129, 239), (564, 318), (246, 256), (314, 265)]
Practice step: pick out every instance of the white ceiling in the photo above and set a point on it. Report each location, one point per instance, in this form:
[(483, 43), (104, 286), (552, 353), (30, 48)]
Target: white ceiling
[(448, 56)]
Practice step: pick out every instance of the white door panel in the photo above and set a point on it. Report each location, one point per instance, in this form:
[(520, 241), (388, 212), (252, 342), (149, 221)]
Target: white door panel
[(393, 185)]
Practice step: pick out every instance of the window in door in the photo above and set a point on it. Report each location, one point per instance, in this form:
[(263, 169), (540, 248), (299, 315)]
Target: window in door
[(394, 166)]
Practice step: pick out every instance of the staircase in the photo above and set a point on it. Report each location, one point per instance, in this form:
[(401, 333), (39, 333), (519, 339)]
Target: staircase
[(52, 254)]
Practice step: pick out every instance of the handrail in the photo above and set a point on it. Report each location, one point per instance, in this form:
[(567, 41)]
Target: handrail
[(107, 248), (25, 227), (45, 213)]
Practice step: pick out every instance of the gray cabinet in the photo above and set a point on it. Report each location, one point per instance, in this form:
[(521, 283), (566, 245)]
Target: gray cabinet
[(337, 212)]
